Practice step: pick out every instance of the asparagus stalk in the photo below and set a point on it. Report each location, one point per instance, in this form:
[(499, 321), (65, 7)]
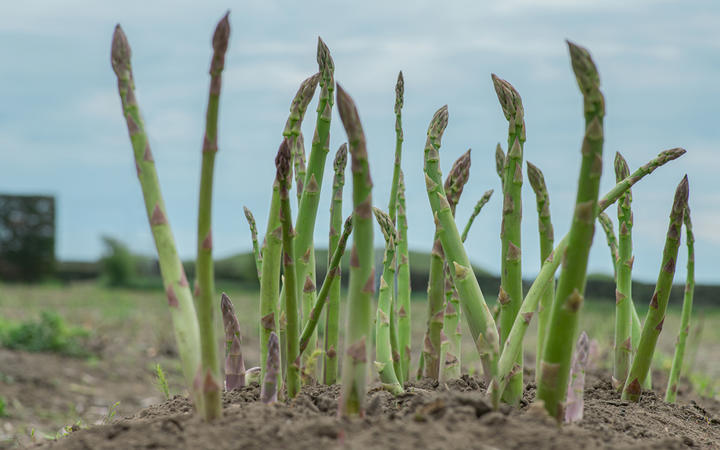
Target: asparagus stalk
[(403, 283), (658, 304), (612, 242), (623, 293), (271, 318), (282, 162), (451, 346), (479, 318), (332, 279), (298, 151), (557, 351), (253, 235), (478, 207), (234, 363), (435, 310), (309, 201), (268, 392), (543, 280), (671, 392), (511, 291), (383, 346), (362, 271), (180, 300), (330, 364), (547, 240), (575, 404)]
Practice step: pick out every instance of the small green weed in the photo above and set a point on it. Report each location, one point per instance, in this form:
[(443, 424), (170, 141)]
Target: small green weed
[(48, 334), (161, 382)]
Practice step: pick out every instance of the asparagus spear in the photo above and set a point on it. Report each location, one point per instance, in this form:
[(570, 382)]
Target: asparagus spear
[(671, 392), (383, 347), (478, 207), (268, 392), (403, 283), (557, 351), (511, 291), (180, 301), (547, 239), (253, 234), (299, 162), (658, 304), (475, 310), (543, 280), (435, 310), (330, 364), (332, 279), (234, 363), (623, 294), (205, 281), (309, 201), (574, 407), (451, 346), (362, 271), (282, 162), (270, 319)]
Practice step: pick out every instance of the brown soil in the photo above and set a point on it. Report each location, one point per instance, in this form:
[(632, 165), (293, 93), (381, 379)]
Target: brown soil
[(453, 415)]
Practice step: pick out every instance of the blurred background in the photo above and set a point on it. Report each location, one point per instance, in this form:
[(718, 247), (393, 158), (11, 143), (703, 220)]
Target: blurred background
[(76, 253)]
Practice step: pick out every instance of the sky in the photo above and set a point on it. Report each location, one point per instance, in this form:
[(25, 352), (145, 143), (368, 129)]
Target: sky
[(62, 131)]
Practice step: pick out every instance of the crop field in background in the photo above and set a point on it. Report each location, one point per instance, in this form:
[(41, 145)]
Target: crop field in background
[(129, 333)]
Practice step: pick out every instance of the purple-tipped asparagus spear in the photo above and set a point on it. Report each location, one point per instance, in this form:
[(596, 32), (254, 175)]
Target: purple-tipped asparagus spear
[(234, 364), (268, 392), (574, 404)]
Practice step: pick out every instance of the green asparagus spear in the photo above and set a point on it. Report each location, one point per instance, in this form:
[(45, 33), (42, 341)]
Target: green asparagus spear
[(478, 207), (511, 291), (475, 310), (403, 283), (180, 300), (330, 364), (268, 392), (362, 271), (383, 347), (547, 240), (623, 293), (282, 162), (253, 234), (557, 352), (612, 242), (671, 392), (658, 304)]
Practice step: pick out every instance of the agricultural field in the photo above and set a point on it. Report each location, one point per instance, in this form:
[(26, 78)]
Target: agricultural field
[(129, 332)]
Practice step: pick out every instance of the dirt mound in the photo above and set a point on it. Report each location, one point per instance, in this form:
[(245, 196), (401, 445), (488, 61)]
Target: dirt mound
[(429, 415)]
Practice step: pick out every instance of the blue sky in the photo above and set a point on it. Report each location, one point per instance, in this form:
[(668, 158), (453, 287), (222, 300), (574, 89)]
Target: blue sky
[(62, 132)]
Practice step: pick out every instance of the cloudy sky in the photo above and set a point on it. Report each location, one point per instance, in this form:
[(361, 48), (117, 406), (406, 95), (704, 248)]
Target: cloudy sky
[(62, 132)]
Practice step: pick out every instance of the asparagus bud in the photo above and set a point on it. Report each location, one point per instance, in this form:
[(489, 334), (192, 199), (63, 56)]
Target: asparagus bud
[(234, 364), (253, 234)]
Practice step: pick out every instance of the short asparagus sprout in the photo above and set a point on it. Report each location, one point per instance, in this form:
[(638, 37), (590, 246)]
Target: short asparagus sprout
[(575, 404), (332, 329), (234, 363), (658, 304), (671, 392), (253, 235), (362, 271), (557, 350), (476, 211), (268, 392), (180, 300), (547, 240)]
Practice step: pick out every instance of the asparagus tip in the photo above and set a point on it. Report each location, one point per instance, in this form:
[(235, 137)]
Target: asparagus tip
[(681, 194), (585, 70), (225, 303), (341, 158), (399, 92), (622, 170), (222, 34), (120, 51), (508, 97), (439, 122), (348, 112), (535, 175), (282, 160)]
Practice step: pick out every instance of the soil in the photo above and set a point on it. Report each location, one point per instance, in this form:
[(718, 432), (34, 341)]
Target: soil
[(429, 415)]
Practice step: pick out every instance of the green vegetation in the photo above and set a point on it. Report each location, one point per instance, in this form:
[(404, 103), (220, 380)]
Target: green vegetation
[(161, 381), (118, 263), (49, 333)]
